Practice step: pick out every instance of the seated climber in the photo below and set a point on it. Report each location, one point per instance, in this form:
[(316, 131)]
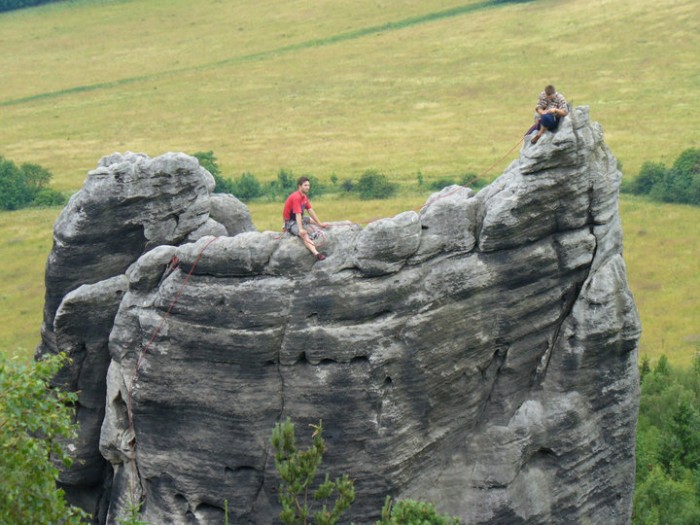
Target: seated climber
[(294, 220), (551, 107)]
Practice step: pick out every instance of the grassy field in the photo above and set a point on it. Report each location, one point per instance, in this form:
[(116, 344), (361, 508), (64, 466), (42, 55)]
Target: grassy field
[(333, 87), (440, 86)]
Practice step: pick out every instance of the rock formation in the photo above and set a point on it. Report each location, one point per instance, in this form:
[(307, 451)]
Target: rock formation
[(480, 353)]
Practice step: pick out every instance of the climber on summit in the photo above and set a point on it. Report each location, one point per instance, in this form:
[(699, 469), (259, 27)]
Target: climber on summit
[(293, 215), (551, 107)]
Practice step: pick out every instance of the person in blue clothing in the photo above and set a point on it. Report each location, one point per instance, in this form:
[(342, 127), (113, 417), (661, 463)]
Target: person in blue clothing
[(551, 107)]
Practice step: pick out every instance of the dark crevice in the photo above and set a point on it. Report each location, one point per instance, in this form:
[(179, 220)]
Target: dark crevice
[(570, 299), (359, 359), (491, 373)]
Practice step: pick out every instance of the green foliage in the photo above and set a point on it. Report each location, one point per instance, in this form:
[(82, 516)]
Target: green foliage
[(297, 470), (410, 512), (247, 187), (9, 5), (680, 183), (420, 178), (470, 180), (132, 515), (209, 162), (35, 424), (650, 174), (473, 181), (662, 500), (25, 185), (667, 489), (439, 184), (14, 190), (374, 185), (285, 184), (49, 197)]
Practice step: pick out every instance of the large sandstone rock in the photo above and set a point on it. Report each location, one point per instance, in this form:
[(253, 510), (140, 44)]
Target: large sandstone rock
[(480, 354)]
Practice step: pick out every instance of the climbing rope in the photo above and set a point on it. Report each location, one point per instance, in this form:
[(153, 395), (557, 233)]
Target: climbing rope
[(172, 266)]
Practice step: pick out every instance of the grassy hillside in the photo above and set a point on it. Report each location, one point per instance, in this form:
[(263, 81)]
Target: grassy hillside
[(441, 86), (336, 87)]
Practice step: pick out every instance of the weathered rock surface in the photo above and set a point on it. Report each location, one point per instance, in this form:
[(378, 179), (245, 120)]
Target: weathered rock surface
[(480, 354)]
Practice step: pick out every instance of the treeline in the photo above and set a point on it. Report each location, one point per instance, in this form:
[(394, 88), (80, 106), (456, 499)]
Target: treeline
[(372, 184), (680, 183), (667, 489), (26, 185), (9, 5)]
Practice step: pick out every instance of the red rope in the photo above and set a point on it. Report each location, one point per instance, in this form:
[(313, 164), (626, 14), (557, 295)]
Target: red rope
[(174, 264)]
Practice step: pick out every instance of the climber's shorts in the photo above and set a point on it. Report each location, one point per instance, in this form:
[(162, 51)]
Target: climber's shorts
[(549, 121)]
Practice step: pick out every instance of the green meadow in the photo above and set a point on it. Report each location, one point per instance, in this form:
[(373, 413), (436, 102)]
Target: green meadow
[(334, 87)]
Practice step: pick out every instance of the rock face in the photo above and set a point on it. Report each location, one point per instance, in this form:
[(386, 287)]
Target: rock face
[(479, 354)]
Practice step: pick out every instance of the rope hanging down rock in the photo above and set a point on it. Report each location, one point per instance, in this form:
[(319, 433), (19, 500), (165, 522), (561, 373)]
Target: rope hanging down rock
[(174, 265)]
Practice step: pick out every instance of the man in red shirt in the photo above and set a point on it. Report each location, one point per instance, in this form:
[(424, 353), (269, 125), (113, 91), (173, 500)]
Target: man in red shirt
[(293, 215)]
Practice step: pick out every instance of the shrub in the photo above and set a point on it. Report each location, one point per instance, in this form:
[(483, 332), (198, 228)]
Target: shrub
[(26, 185), (284, 185), (35, 423), (347, 185), (472, 180), (247, 187), (208, 161), (410, 512), (680, 183), (297, 468), (444, 182), (49, 197), (374, 185), (14, 190), (420, 178), (651, 174), (9, 5)]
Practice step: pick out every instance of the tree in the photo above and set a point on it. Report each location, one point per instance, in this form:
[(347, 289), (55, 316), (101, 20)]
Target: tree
[(208, 161), (374, 185), (247, 187), (410, 512), (25, 186), (667, 485), (651, 174), (35, 424), (9, 5), (297, 470), (680, 183), (15, 193), (660, 499)]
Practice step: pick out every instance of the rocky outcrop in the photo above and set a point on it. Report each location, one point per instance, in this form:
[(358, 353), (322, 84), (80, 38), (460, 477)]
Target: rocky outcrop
[(129, 205), (480, 353)]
